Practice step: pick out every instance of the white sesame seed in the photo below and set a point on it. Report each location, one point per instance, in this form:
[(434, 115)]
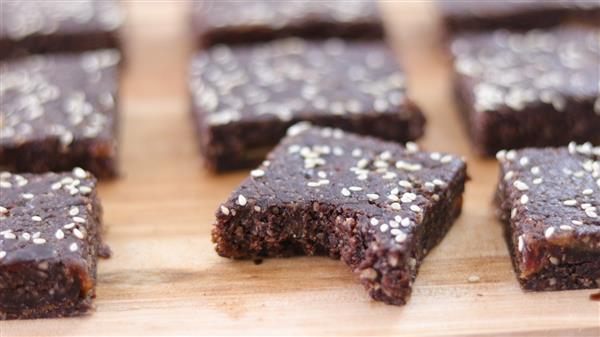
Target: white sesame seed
[(415, 208), (56, 186), (59, 234), (257, 173), (241, 200), (373, 196), (501, 155), (10, 236), (576, 222), (39, 241), (566, 228), (355, 188), (73, 211), (384, 228), (2, 254), (85, 190), (405, 222), (313, 184), (524, 161), (524, 199), (521, 186), (513, 213), (79, 173), (3, 210), (446, 159), (588, 191), (393, 197), (78, 219), (5, 184), (78, 234), (36, 218), (412, 147), (345, 192), (400, 237), (535, 170), (521, 243), (396, 206), (26, 236), (408, 197), (570, 202), (511, 155), (509, 175), (27, 196), (73, 247), (554, 260), (374, 222), (405, 183), (548, 232), (538, 181)]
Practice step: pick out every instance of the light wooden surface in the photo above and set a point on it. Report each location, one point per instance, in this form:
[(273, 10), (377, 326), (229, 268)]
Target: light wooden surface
[(165, 278)]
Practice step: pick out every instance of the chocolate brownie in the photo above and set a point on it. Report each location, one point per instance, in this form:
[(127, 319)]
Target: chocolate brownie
[(549, 200), (378, 206), (245, 97), (50, 227), (230, 22), (532, 89), (515, 15), (40, 26), (59, 111)]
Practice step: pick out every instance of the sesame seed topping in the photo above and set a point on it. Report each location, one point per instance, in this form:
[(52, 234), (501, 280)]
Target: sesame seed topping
[(73, 247), (78, 234), (570, 202), (548, 232), (2, 254), (400, 237), (27, 196), (415, 208), (396, 206), (524, 199), (39, 241), (374, 221), (59, 234), (345, 192), (521, 186), (241, 200), (69, 225), (36, 218), (521, 243), (257, 173), (373, 196), (79, 173)]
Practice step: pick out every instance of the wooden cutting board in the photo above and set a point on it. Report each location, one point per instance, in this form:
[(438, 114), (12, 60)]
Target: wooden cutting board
[(165, 278)]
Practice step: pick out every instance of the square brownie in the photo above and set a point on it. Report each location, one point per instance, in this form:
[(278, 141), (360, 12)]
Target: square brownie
[(50, 227), (532, 89), (245, 97), (40, 26), (378, 206), (231, 22), (59, 111), (464, 16), (549, 200)]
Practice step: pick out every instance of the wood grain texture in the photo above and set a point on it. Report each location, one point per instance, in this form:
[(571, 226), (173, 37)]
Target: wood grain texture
[(165, 278)]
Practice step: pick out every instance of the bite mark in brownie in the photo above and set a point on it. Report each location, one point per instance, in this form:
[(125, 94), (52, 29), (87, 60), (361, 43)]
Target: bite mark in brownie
[(244, 98), (461, 16), (233, 22), (378, 206), (59, 111), (50, 238), (549, 200), (40, 26), (532, 89)]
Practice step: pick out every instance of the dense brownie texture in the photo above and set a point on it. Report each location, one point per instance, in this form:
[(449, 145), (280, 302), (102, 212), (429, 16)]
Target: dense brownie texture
[(230, 22), (376, 205), (59, 111), (516, 15), (529, 89), (50, 227), (549, 201), (40, 26), (244, 98)]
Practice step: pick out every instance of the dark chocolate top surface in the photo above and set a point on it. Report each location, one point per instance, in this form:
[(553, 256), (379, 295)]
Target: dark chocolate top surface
[(64, 96), (493, 9), (21, 19), (292, 78), (390, 187), (232, 14), (46, 216), (555, 192), (508, 69)]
